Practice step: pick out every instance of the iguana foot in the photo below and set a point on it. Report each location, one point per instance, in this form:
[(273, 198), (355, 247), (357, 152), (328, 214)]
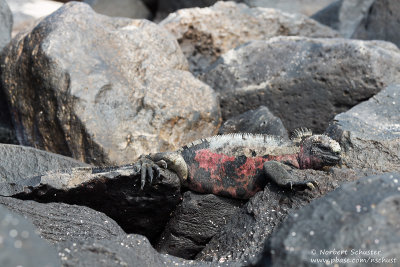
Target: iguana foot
[(278, 173), (147, 167)]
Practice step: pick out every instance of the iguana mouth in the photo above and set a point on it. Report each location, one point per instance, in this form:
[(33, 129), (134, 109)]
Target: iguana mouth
[(328, 156)]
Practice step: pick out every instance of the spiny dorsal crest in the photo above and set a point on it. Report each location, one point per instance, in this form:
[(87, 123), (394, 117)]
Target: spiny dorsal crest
[(240, 139), (300, 134)]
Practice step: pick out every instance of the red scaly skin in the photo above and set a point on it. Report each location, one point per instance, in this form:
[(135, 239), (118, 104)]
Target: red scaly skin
[(235, 177)]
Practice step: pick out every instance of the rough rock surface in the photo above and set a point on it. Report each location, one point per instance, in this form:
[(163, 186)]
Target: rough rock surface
[(114, 191), (6, 22), (196, 220), (260, 121), (21, 246), (20, 162), (121, 91), (130, 250), (369, 133), (242, 238), (361, 216), (306, 7), (120, 8), (204, 34), (381, 22), (303, 81), (168, 6), (7, 134), (58, 222), (344, 15)]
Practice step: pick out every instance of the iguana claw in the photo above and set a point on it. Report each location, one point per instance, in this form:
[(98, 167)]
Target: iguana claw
[(310, 185), (278, 173), (146, 167)]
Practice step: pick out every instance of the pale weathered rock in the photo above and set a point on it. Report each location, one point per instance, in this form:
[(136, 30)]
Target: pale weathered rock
[(27, 12), (360, 218), (303, 81), (204, 34), (7, 134), (369, 133), (306, 7), (20, 162), (381, 22), (104, 90), (120, 8), (6, 22), (165, 7)]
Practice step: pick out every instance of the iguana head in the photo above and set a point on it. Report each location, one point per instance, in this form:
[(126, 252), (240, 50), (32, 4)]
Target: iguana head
[(318, 151)]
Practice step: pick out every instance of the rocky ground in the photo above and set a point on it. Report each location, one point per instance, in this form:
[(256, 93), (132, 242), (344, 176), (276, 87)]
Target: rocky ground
[(83, 95)]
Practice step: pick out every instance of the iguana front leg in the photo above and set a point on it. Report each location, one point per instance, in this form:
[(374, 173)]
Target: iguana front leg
[(147, 167), (166, 160), (277, 172)]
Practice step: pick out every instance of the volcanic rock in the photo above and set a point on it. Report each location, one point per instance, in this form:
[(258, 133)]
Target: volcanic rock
[(303, 81), (242, 238), (114, 191), (369, 133), (205, 34), (103, 90), (260, 121), (20, 162), (21, 246), (359, 219), (196, 220)]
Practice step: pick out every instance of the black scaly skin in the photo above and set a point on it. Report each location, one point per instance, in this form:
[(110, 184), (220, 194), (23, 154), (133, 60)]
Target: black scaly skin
[(237, 165)]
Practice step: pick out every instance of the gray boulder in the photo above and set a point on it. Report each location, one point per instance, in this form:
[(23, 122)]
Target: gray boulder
[(205, 34), (103, 90), (115, 191), (20, 244), (7, 134), (19, 162), (59, 222), (345, 16), (351, 13), (260, 121), (303, 81), (381, 22), (306, 7), (196, 220), (369, 133), (6, 22), (120, 8), (129, 250), (358, 221), (243, 237), (329, 15)]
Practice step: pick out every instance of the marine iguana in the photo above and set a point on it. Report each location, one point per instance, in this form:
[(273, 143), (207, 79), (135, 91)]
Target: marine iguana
[(238, 165)]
